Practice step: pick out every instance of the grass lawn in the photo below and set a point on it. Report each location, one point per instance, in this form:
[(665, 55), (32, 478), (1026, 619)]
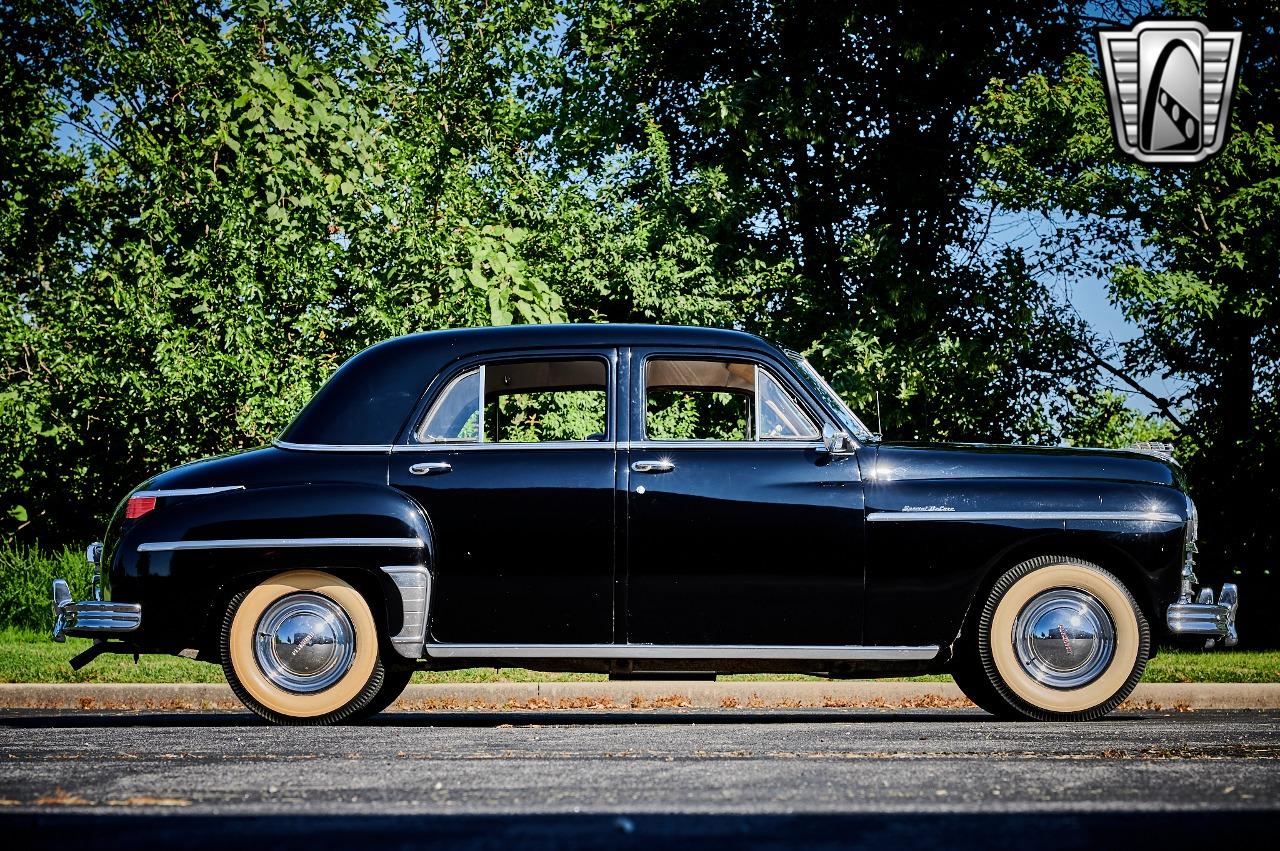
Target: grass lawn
[(30, 657)]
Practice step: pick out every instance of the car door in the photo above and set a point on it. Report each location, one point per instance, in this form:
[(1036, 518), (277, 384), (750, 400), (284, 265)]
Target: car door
[(741, 528), (513, 461)]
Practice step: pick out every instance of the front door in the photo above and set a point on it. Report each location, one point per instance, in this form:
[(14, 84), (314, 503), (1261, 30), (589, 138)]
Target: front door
[(514, 464), (741, 529)]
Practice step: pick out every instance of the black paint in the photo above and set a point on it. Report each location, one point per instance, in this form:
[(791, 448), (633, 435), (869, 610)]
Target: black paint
[(736, 545)]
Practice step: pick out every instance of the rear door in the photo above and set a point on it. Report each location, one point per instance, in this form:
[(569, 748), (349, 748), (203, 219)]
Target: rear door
[(514, 464)]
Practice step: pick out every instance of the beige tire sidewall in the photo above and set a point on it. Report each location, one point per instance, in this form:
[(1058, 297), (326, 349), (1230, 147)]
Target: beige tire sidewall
[(243, 634), (1118, 605)]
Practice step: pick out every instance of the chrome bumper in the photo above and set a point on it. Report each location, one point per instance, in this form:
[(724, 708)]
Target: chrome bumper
[(1206, 619), (91, 618)]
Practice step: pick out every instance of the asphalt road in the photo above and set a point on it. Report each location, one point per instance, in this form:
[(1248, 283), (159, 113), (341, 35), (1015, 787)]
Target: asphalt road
[(951, 779)]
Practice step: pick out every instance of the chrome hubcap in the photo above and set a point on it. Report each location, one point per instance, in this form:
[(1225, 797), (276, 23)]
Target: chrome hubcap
[(305, 643), (1064, 638)]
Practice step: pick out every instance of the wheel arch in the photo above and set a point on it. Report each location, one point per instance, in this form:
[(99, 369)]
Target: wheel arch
[(374, 584), (1109, 556)]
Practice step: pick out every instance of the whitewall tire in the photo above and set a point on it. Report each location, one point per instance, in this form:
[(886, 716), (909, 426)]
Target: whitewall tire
[(302, 648), (1058, 638)]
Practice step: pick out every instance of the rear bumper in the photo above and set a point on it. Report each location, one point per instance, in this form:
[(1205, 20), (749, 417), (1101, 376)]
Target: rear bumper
[(1206, 619), (91, 618), (96, 618)]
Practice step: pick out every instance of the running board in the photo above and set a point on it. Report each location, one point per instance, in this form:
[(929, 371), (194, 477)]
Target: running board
[(842, 652)]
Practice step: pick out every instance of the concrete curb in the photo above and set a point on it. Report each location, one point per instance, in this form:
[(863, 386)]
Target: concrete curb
[(627, 695)]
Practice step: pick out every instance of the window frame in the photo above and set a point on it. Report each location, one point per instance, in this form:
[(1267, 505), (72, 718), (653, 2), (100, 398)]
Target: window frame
[(817, 429), (410, 442), (416, 432), (816, 384), (641, 404)]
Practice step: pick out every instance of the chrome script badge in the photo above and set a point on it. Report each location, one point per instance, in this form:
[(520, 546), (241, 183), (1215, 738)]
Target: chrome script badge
[(1169, 84)]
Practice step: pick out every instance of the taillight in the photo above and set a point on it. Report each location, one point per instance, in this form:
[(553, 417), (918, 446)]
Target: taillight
[(138, 506)]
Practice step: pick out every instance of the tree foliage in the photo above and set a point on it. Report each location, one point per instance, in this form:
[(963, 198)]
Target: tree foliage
[(1192, 258), (841, 136), (205, 207), (1105, 419)]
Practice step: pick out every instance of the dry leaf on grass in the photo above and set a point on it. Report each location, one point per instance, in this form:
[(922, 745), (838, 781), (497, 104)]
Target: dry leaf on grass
[(148, 801), (1139, 706)]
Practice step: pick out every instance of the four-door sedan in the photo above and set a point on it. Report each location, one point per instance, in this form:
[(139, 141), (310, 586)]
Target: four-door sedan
[(634, 500)]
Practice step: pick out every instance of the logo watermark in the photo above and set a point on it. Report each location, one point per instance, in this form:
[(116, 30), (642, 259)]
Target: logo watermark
[(1169, 83)]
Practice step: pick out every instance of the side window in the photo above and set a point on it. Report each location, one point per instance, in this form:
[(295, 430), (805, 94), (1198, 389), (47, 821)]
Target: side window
[(540, 401), (719, 400), (522, 402)]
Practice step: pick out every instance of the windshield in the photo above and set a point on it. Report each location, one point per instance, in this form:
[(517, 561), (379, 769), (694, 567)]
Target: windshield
[(819, 385)]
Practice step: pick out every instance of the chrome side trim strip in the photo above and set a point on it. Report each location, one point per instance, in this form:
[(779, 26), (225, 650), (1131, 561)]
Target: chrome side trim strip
[(461, 446), (658, 445), (187, 491), (274, 543), (332, 447), (680, 651), (414, 583), (1132, 516), (643, 445)]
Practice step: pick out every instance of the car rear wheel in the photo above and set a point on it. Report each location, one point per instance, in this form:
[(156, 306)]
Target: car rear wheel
[(1058, 638), (394, 683), (301, 648)]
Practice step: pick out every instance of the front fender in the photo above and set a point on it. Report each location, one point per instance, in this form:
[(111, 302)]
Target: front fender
[(185, 559), (935, 544)]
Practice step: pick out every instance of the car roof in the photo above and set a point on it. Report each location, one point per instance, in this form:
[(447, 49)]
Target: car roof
[(620, 334), (370, 396)]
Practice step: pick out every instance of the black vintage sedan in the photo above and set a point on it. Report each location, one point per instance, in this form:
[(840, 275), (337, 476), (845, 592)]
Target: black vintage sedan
[(638, 500)]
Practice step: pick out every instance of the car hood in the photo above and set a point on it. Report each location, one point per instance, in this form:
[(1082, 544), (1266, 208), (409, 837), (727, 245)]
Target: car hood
[(907, 461)]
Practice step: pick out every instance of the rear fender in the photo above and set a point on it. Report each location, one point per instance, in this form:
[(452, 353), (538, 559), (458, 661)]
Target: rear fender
[(186, 558)]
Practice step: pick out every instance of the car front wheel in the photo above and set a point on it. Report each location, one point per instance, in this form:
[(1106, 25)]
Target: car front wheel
[(1058, 639), (301, 648)]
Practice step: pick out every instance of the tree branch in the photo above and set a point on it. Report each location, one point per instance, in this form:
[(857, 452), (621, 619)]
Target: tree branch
[(1162, 404)]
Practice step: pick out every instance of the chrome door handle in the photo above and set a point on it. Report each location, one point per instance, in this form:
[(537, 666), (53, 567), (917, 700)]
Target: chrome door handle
[(430, 468), (653, 466)]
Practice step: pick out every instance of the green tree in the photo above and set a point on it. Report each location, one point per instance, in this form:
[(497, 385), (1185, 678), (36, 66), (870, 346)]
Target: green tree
[(1191, 257), (208, 208), (839, 138), (1106, 419)]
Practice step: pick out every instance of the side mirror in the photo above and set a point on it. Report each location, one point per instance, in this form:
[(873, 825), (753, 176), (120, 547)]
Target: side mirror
[(836, 442)]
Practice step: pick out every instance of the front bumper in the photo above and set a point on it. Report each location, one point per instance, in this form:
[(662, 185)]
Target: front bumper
[(1206, 619), (96, 618)]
